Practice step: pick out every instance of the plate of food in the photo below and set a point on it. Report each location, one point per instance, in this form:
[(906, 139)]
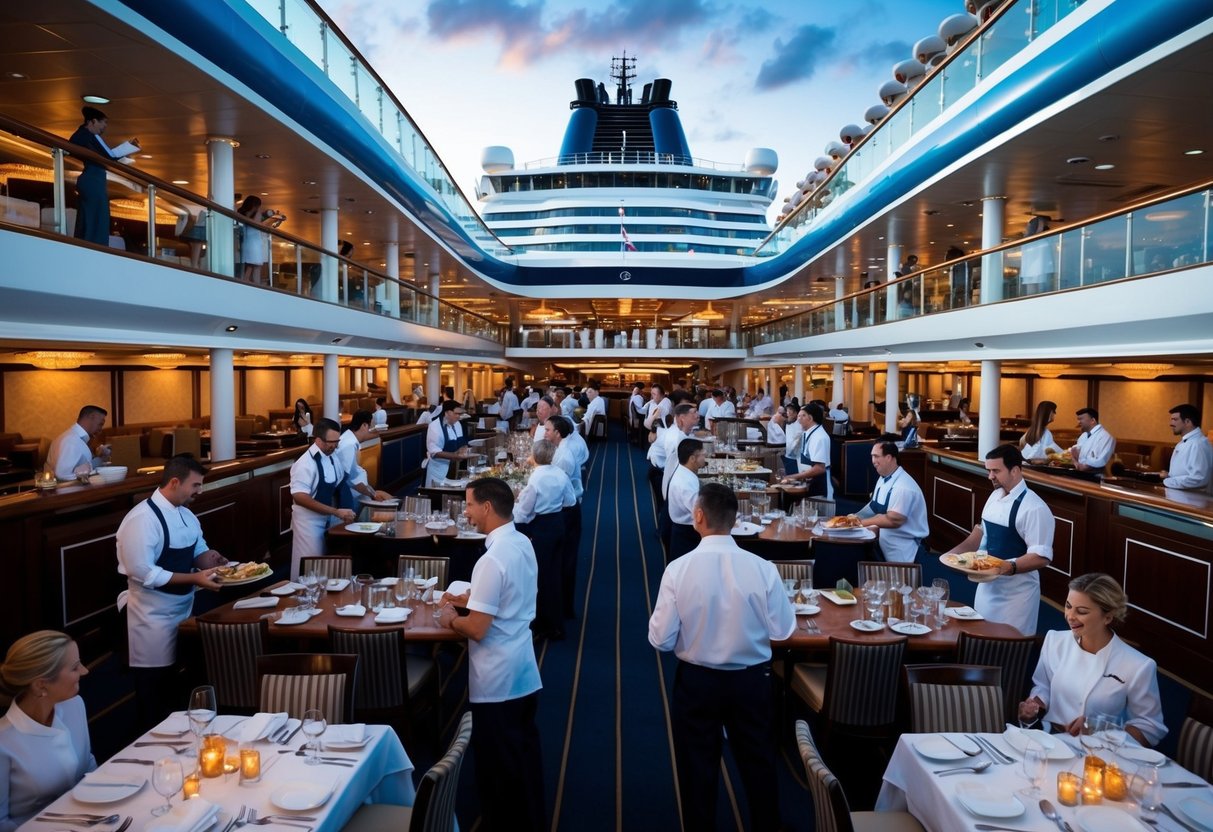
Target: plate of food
[(844, 525), (841, 597), (364, 528), (234, 574), (979, 566), (392, 503)]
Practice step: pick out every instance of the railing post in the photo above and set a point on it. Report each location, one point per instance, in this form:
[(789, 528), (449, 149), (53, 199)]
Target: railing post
[(151, 221), (1128, 245), (1204, 243), (298, 271), (60, 192)]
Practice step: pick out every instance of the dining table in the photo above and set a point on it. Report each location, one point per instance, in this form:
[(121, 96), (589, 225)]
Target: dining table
[(836, 554), (1001, 795), (317, 797), (813, 631)]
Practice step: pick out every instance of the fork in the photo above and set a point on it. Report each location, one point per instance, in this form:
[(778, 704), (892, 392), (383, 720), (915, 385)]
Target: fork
[(237, 820), (255, 821), (70, 819)]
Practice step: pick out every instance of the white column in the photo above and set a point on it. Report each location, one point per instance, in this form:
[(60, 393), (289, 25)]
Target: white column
[(892, 397), (359, 382), (798, 382), (329, 288), (331, 388), (772, 384), (840, 386), (735, 327), (223, 405), (435, 285), (993, 219), (221, 188), (893, 255), (393, 380), (840, 308), (389, 293), (989, 426), (433, 382)]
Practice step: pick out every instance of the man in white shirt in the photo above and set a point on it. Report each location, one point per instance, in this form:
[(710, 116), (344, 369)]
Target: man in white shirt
[(444, 442), (776, 435), (568, 459), (532, 396), (792, 432), (1192, 460), (761, 405), (545, 408), (681, 492), (842, 420), (356, 482), (503, 676), (718, 609), (1095, 445), (636, 404), (897, 508), (595, 407), (539, 514), (70, 451), (813, 462), (666, 453), (315, 477), (509, 412), (658, 408), (720, 408)]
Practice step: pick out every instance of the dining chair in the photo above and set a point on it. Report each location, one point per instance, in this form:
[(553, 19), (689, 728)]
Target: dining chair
[(954, 697), (230, 651), (878, 570), (795, 569), (425, 567), (299, 682), (187, 441), (1196, 738), (1013, 654), (390, 679), (830, 807), (856, 690), (597, 428), (434, 808), (245, 426), (328, 566), (126, 450)]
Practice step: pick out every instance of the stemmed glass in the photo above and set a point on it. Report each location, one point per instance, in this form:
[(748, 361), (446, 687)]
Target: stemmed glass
[(408, 577), (806, 590), (873, 600), (1035, 762), (1110, 728), (202, 711), (167, 780), (313, 726)]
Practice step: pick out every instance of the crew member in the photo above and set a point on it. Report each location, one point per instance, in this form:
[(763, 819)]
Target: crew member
[(897, 508), (444, 441), (356, 482), (1095, 446), (1192, 460), (315, 477), (70, 451), (813, 464), (680, 494)]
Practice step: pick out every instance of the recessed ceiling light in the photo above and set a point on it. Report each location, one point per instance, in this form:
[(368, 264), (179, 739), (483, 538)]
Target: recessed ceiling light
[(1193, 152), (263, 155), (16, 76), (145, 155), (1077, 160), (232, 328), (366, 244), (181, 181), (265, 193), (309, 181), (951, 225), (1104, 166), (1111, 137), (94, 99)]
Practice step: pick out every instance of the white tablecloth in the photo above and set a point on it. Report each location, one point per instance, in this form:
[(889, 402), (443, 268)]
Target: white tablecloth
[(383, 774), (910, 785)]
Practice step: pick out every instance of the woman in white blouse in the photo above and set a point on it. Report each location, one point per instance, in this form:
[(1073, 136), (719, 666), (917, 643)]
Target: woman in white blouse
[(1089, 670), (44, 744), (1037, 441)]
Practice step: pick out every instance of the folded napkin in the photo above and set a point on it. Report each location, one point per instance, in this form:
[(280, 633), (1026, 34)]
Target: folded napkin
[(345, 734), (191, 815), (388, 581), (288, 588), (458, 587), (98, 778), (260, 726), (392, 615), (352, 610), (428, 583), (337, 584), (172, 727), (963, 613), (254, 603)]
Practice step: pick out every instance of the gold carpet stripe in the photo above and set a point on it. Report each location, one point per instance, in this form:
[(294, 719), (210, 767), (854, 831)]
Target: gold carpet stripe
[(618, 657)]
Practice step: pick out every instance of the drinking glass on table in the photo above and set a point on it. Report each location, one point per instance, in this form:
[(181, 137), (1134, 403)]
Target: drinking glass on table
[(806, 586), (1035, 763), (873, 602), (201, 711), (167, 780), (1146, 789), (360, 582), (789, 587), (313, 726), (944, 590), (401, 591), (1111, 729)]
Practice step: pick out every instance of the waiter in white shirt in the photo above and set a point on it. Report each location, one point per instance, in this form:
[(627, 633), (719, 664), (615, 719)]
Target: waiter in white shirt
[(164, 557), (315, 477), (70, 451), (356, 482), (842, 420), (539, 514), (1095, 445), (792, 432), (685, 419), (561, 433), (509, 406), (718, 609), (657, 410), (545, 408), (1017, 527), (681, 492), (897, 508), (595, 407), (444, 441), (776, 435), (813, 464), (1192, 460), (636, 404), (760, 406), (721, 408)]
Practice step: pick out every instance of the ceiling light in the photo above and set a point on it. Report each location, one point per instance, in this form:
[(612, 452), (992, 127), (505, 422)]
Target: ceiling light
[(94, 99), (1193, 152), (309, 181), (709, 314), (1048, 370), (164, 360), (181, 181), (1104, 166), (16, 76), (1078, 160), (53, 359), (232, 328), (1141, 372), (263, 155)]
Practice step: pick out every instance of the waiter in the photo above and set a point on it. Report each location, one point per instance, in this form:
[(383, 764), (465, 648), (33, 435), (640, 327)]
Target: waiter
[(164, 557), (813, 464), (681, 492), (897, 508), (315, 477), (1191, 465), (356, 481), (1017, 527), (444, 441)]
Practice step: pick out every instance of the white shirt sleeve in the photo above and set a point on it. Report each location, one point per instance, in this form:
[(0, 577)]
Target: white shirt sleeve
[(524, 506), (664, 623), (1035, 524), (304, 474), (488, 580)]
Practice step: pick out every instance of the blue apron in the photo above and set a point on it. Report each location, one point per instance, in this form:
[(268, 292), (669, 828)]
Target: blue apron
[(173, 558), (1004, 541), (1011, 599), (326, 491), (452, 444), (883, 508), (819, 486)]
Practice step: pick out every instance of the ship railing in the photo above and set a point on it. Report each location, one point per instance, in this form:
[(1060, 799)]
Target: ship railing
[(171, 225), (999, 39), (629, 157), (1170, 233), (620, 338)]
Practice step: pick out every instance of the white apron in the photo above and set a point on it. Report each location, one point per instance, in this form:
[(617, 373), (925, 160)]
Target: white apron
[(308, 528), (152, 619)]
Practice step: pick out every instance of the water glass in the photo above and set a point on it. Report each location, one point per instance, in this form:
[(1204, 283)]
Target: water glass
[(743, 510), (1146, 788), (874, 602), (201, 712), (943, 592), (789, 587), (1035, 764), (167, 780), (313, 726)]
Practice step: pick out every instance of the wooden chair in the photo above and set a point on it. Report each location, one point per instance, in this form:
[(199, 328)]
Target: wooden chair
[(298, 682), (1012, 654), (230, 651), (598, 428), (425, 567), (857, 689), (904, 573), (389, 678), (127, 450), (797, 569), (328, 566), (830, 807), (434, 808), (245, 425), (1196, 738), (187, 441), (954, 697)]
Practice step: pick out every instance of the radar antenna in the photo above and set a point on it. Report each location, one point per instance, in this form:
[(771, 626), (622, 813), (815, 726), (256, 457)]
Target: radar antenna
[(623, 72)]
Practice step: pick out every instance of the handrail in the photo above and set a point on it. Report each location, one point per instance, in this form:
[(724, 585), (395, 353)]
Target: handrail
[(1073, 250), (424, 302), (614, 157)]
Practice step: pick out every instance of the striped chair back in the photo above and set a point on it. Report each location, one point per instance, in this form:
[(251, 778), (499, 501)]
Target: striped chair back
[(954, 698), (830, 807), (230, 652), (904, 573), (861, 687), (381, 677), (1196, 738), (328, 566), (298, 682), (426, 567), (796, 569), (434, 808), (1012, 654)]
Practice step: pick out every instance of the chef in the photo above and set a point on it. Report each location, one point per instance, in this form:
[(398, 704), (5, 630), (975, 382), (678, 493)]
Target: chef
[(443, 442), (1017, 527), (315, 477), (164, 557), (897, 508), (1191, 465), (813, 463)]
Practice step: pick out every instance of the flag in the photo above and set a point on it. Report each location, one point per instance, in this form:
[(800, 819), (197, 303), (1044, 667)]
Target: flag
[(627, 243)]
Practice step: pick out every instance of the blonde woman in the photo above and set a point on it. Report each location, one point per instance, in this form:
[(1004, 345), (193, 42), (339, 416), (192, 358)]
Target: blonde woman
[(44, 743)]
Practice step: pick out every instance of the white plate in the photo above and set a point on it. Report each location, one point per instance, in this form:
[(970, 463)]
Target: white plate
[(1197, 811), (866, 626), (346, 745), (107, 789), (964, 614), (1148, 756), (364, 528), (337, 584), (394, 615), (288, 588), (439, 525), (937, 748), (746, 529), (366, 501), (806, 609), (1018, 738), (299, 796), (351, 611), (291, 617), (910, 628), (988, 801), (1106, 819)]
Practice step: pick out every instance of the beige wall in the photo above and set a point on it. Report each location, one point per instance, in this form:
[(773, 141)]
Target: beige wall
[(307, 383), (263, 391), (1069, 393), (157, 396), (1014, 392), (204, 400), (46, 402), (1138, 409)]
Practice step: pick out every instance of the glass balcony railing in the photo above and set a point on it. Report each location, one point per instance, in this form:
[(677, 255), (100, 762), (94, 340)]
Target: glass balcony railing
[(1172, 233), (1012, 28), (540, 335), (172, 225), (315, 35)]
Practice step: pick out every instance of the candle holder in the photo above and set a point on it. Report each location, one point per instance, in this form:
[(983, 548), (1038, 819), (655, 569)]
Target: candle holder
[(191, 786), (250, 766), (1068, 787), (1115, 783), (212, 755)]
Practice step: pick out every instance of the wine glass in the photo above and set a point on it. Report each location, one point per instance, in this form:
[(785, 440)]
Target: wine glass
[(806, 587), (401, 591), (313, 726), (167, 780), (1035, 762), (202, 711), (1110, 728)]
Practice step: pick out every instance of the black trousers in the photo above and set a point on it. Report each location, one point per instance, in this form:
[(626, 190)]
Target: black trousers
[(547, 534), (706, 703), (509, 766), (569, 552), (683, 538)]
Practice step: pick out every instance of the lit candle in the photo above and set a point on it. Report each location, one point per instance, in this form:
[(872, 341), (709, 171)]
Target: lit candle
[(250, 765), (231, 764), (1091, 795), (192, 785), (1114, 785), (211, 758), (1067, 788)]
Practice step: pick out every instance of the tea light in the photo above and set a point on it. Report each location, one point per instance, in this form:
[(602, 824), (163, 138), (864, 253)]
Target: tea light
[(1067, 788), (250, 765), (1115, 786), (1092, 794), (231, 764), (212, 755), (191, 786)]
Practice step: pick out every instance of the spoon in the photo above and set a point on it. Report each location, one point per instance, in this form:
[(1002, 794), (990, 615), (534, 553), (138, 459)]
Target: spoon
[(1051, 813), (975, 768)]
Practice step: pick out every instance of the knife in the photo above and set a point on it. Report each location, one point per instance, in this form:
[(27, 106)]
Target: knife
[(291, 735), (132, 761), (1186, 786)]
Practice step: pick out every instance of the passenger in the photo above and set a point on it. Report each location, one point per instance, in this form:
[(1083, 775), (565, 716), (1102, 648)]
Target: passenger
[(1089, 671), (1038, 264), (44, 743), (70, 453), (1037, 442), (1095, 446), (303, 417), (1191, 462), (379, 416), (963, 415)]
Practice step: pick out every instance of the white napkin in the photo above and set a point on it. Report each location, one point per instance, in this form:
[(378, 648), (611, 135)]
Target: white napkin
[(197, 813), (288, 588), (428, 583), (458, 587), (352, 610), (392, 615), (337, 584), (254, 603), (963, 613), (172, 726), (262, 725), (345, 734), (388, 581)]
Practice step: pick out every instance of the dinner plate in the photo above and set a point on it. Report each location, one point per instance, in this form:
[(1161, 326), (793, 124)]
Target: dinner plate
[(866, 626), (472, 536), (978, 576), (987, 801), (1106, 819), (250, 579), (366, 501), (1018, 738), (1146, 756), (351, 611), (337, 584), (292, 616), (1197, 811), (288, 588), (99, 788), (439, 525), (845, 531), (806, 609), (964, 614), (300, 795), (746, 529), (393, 615), (938, 748), (364, 528), (910, 628)]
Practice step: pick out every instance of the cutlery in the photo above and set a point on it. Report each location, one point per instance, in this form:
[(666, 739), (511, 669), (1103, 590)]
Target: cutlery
[(132, 761), (287, 818), (276, 736), (69, 819), (1186, 785), (303, 753), (341, 764), (84, 815), (996, 755), (1175, 818), (176, 746), (255, 821), (237, 821), (1051, 813), (985, 827), (126, 824), (976, 768), (961, 748), (291, 736)]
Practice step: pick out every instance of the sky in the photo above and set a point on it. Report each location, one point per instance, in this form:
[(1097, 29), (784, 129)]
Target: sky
[(784, 75)]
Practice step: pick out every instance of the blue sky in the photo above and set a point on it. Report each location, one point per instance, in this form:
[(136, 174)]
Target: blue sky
[(745, 74)]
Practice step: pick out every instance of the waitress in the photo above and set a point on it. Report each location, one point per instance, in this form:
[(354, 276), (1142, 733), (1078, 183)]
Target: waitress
[(444, 441), (910, 422), (813, 463), (314, 480)]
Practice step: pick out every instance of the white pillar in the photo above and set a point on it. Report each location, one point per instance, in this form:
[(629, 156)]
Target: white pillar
[(329, 288), (840, 385), (840, 308), (389, 293), (393, 380), (993, 220), (435, 286), (223, 405), (989, 426), (331, 388), (893, 254), (892, 397), (859, 407), (735, 327), (221, 188), (359, 382), (798, 382), (433, 382), (772, 384)]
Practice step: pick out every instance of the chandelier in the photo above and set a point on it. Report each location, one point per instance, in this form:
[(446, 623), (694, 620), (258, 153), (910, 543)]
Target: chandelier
[(53, 359), (1142, 372), (164, 360), (1049, 370)]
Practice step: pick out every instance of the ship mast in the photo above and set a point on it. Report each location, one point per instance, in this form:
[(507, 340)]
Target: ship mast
[(623, 72)]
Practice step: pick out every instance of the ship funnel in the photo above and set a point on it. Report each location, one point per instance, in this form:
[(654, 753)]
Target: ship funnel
[(661, 90), (585, 90)]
